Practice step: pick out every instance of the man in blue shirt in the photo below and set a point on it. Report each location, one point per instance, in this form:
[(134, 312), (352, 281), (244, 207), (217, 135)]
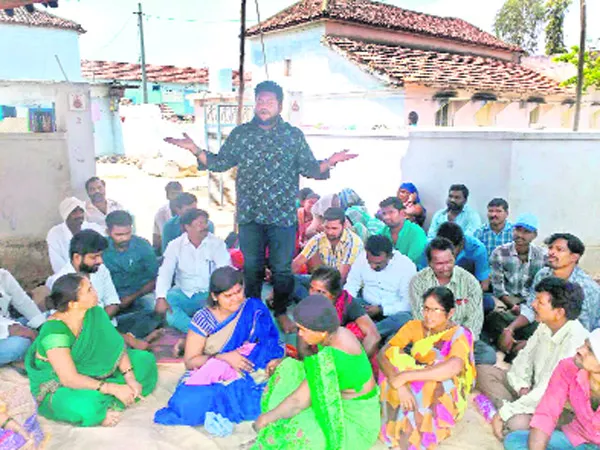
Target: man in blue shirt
[(498, 231), (472, 256), (456, 211), (133, 268)]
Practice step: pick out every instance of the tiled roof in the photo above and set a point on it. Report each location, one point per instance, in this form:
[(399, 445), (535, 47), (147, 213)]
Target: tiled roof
[(38, 18), (121, 71), (380, 15), (9, 4), (400, 65)]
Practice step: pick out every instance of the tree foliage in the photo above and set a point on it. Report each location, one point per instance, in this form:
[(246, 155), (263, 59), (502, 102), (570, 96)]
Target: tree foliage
[(555, 18), (591, 67), (520, 22)]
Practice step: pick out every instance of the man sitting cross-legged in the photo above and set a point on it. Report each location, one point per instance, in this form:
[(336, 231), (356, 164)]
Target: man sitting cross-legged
[(86, 251), (133, 268), (16, 335), (442, 271), (575, 388), (381, 275), (564, 252), (335, 247), (408, 237), (514, 266), (190, 259), (516, 393)]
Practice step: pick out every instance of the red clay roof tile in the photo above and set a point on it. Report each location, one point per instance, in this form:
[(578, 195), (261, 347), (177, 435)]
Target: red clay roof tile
[(38, 18), (368, 12), (121, 71), (399, 65)]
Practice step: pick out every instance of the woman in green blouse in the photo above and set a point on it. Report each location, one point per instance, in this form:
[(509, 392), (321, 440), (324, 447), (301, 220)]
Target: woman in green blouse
[(79, 368)]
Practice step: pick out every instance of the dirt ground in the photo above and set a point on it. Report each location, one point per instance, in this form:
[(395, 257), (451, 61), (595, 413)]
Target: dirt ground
[(143, 195)]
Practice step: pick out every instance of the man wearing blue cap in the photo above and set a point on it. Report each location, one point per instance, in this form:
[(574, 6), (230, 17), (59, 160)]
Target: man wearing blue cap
[(513, 268)]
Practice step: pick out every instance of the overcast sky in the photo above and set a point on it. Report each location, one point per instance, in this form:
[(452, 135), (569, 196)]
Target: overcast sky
[(205, 32)]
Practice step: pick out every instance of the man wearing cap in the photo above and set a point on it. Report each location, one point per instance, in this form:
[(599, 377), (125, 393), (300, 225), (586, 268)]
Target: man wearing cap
[(576, 382), (564, 252), (517, 392), (72, 211), (514, 266)]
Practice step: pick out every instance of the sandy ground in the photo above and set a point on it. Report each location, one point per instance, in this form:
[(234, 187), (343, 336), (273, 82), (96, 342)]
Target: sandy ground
[(143, 195), (137, 430)]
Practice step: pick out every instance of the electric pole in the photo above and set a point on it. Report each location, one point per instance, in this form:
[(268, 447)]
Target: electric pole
[(240, 112), (580, 64), (140, 15)]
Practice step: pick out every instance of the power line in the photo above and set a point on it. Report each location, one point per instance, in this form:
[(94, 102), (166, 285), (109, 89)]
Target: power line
[(116, 35)]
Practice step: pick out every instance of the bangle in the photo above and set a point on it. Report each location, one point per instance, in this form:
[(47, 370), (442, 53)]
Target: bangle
[(125, 372), (99, 388), (6, 422)]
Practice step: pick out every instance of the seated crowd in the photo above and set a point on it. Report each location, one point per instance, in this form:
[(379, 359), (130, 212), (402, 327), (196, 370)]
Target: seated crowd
[(395, 326)]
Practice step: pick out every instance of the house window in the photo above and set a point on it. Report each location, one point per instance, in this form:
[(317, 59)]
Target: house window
[(156, 88), (441, 115), (534, 116), (287, 67)]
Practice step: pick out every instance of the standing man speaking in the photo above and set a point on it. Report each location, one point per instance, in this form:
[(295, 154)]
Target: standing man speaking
[(270, 155)]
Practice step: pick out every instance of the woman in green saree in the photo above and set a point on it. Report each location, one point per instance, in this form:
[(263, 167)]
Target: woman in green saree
[(79, 368), (328, 401)]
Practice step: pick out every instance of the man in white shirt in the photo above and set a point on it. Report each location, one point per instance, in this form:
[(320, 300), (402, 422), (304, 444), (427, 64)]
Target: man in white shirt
[(72, 212), (518, 391), (173, 189), (86, 257), (16, 335), (383, 274), (99, 206), (191, 259)]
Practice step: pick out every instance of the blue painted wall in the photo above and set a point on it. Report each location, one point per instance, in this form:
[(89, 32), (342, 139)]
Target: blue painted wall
[(27, 53)]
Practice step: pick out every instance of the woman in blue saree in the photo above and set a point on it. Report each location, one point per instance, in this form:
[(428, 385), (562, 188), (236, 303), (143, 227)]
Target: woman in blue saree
[(231, 345)]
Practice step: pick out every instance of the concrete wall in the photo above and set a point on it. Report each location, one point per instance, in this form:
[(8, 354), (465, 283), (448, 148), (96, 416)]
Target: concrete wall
[(108, 132), (34, 178), (550, 174), (38, 170), (76, 125), (28, 53)]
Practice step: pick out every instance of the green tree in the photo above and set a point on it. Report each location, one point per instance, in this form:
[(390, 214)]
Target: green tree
[(591, 67), (520, 22), (555, 16)]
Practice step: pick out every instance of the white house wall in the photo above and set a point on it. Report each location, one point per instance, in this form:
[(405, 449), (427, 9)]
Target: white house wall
[(549, 174), (335, 93), (28, 53)]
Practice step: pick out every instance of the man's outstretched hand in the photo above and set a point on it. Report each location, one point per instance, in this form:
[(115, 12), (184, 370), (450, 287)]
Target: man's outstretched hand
[(342, 156), (186, 143)]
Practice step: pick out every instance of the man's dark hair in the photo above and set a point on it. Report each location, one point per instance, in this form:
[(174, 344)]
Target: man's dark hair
[(334, 214), (269, 86), (173, 186), (498, 203), (452, 232), (189, 216), (119, 218), (438, 243), (304, 193), (413, 118), (563, 294), (87, 241), (378, 244), (460, 187), (392, 201), (573, 242), (92, 180), (183, 199)]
